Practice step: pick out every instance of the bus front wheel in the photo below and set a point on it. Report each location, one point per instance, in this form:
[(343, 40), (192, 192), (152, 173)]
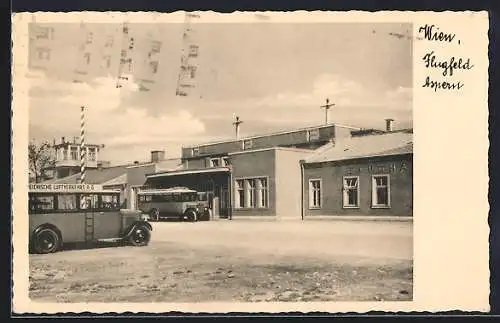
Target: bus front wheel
[(46, 241), (140, 236), (191, 216)]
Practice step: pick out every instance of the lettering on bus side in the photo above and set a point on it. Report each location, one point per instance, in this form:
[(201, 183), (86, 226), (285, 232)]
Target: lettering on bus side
[(63, 187)]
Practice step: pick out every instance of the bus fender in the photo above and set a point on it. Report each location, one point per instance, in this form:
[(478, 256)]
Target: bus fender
[(40, 228), (136, 224)]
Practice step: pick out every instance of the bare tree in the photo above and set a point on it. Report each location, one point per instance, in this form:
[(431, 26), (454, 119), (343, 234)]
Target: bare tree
[(40, 159)]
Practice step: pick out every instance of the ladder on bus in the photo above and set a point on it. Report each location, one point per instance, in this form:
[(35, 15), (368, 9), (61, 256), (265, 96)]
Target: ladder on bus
[(89, 227)]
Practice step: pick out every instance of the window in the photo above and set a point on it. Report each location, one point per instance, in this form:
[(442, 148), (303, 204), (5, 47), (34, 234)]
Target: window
[(313, 135), (74, 153), (195, 151), (202, 196), (351, 192), (214, 162), (91, 154), (247, 144), (380, 191), (226, 161), (67, 202), (314, 193), (41, 203), (262, 193), (251, 193), (145, 198), (88, 202), (65, 154), (109, 202), (239, 194)]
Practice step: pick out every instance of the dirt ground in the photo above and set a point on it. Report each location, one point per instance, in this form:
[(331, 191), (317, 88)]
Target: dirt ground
[(237, 261)]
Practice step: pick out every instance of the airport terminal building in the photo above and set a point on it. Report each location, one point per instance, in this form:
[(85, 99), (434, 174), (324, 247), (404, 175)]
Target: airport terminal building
[(330, 170), (252, 176)]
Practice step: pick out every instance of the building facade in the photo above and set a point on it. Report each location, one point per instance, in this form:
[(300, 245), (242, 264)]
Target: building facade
[(67, 157), (251, 176), (367, 176)]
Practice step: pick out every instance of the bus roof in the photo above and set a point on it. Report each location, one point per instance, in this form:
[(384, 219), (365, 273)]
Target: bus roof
[(68, 188), (162, 191)]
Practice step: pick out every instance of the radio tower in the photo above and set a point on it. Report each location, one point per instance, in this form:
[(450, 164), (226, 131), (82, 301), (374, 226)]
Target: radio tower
[(189, 55)]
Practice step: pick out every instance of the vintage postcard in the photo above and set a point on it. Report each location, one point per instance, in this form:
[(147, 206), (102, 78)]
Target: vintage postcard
[(250, 162)]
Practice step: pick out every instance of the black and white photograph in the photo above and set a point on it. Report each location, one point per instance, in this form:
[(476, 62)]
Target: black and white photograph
[(192, 161)]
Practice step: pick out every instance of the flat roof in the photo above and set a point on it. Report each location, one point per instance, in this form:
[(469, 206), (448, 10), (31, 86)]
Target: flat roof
[(189, 171), (376, 145), (274, 134), (303, 150), (166, 191)]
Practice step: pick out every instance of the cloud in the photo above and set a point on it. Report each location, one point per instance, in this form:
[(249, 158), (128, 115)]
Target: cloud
[(341, 91), (110, 118), (401, 97)]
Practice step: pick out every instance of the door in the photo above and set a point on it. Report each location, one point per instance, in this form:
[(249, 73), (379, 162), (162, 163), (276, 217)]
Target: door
[(107, 217), (87, 207)]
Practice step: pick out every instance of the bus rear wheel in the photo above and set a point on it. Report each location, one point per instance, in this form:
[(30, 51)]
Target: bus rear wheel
[(46, 241)]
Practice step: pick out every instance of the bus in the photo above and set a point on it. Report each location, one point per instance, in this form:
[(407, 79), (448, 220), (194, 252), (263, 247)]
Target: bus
[(74, 213), (179, 203)]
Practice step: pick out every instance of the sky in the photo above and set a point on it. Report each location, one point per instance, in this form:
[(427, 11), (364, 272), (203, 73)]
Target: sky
[(273, 76)]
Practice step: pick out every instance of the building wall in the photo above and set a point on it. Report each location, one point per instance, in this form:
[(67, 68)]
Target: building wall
[(136, 176), (292, 138), (252, 165), (340, 132), (399, 169), (288, 183)]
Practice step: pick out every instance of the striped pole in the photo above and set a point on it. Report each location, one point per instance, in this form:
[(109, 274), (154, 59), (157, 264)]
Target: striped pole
[(83, 156)]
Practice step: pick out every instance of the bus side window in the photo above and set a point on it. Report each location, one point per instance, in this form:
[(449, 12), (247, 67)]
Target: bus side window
[(44, 202), (40, 203), (66, 202), (88, 202)]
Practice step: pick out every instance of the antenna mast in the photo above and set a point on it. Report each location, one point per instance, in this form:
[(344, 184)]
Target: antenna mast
[(327, 107), (236, 124)]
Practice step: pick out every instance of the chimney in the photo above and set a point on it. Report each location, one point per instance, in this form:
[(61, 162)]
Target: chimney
[(157, 156), (388, 124), (99, 165)]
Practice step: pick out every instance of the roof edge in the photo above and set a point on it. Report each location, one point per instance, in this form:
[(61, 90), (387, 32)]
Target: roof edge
[(357, 157), (271, 134)]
